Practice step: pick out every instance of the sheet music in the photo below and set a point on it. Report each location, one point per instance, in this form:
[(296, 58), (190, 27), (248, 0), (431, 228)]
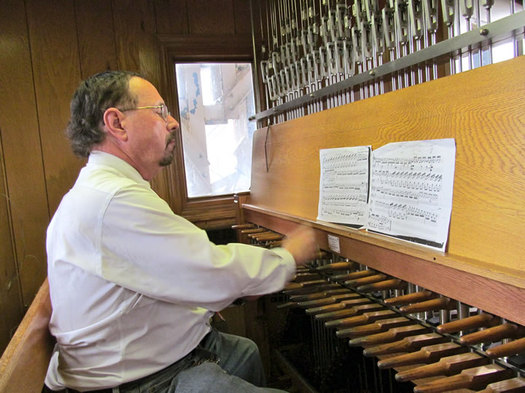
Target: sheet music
[(343, 190), (411, 190)]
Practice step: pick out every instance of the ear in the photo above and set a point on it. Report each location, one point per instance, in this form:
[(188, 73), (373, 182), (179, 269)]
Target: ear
[(113, 123)]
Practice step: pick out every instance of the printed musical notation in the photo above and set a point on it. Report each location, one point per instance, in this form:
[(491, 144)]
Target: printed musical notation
[(343, 191), (411, 190), (409, 193)]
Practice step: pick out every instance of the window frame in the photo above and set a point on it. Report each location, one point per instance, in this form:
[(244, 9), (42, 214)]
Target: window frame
[(208, 212)]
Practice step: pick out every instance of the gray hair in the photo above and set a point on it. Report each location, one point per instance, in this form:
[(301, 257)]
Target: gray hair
[(91, 99)]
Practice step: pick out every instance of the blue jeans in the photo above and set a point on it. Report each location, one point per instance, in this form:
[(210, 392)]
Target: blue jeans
[(238, 369)]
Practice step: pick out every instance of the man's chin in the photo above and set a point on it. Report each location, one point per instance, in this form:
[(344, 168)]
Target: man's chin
[(167, 159)]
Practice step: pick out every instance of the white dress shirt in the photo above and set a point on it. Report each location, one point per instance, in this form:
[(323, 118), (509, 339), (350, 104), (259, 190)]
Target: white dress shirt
[(132, 284)]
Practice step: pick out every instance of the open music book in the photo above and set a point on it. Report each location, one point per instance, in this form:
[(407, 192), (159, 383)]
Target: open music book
[(401, 189)]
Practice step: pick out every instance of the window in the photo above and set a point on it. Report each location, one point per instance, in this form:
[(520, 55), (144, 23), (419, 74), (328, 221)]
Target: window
[(215, 102)]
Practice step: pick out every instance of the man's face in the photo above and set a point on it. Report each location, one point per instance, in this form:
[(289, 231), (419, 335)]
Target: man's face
[(151, 138)]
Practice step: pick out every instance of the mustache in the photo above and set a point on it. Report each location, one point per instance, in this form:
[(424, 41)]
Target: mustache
[(171, 138)]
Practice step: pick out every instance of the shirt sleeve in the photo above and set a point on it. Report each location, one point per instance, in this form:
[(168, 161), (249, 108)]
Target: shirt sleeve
[(145, 247)]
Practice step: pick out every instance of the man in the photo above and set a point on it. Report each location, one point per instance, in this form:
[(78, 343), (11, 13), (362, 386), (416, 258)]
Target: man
[(133, 285)]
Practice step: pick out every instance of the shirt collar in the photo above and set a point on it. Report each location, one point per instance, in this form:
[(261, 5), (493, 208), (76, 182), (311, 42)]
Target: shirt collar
[(106, 159)]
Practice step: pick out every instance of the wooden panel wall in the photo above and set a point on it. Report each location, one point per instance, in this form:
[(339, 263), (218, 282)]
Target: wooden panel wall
[(47, 47)]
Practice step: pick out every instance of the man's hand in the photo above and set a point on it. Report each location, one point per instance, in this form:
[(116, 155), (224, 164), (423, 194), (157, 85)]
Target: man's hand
[(301, 244)]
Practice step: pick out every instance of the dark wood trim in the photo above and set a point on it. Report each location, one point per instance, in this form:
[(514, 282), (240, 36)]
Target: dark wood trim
[(201, 48), (490, 290), (207, 212)]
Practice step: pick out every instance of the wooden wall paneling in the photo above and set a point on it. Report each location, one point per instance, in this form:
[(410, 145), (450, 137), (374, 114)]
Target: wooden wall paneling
[(56, 68), (10, 294), (24, 169), (134, 36), (96, 36), (138, 50), (172, 17), (482, 109), (211, 17), (242, 17)]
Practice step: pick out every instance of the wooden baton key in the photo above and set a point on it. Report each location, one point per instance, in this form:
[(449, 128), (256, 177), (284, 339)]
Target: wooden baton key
[(441, 303), (407, 344), (366, 280), (330, 299), (243, 226), (493, 334), (393, 283), (308, 296), (428, 354), (513, 385), (298, 288), (514, 347), (363, 319), (254, 234), (353, 275), (448, 365), (410, 298), (381, 325), (390, 335), (321, 294), (252, 230), (360, 309), (476, 321), (344, 312), (336, 266), (340, 305), (472, 378), (307, 277)]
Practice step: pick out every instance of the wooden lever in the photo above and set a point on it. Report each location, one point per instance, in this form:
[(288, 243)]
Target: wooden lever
[(445, 366), (493, 334), (252, 230), (393, 283), (308, 296), (429, 354), (336, 266), (378, 326), (344, 312), (321, 294), (353, 275), (260, 234), (513, 385), (355, 310), (429, 305), (366, 280), (243, 226), (318, 302), (473, 322), (390, 335), (298, 288), (514, 347), (473, 378), (325, 309), (307, 276), (407, 344), (329, 299), (266, 237), (410, 298), (363, 319)]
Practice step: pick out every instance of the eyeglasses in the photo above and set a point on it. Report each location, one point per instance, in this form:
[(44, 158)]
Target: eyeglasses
[(164, 112)]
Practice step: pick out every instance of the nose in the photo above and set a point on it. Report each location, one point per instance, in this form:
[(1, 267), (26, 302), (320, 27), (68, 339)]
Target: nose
[(172, 124)]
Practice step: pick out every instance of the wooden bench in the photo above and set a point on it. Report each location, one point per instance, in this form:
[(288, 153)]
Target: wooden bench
[(24, 363)]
